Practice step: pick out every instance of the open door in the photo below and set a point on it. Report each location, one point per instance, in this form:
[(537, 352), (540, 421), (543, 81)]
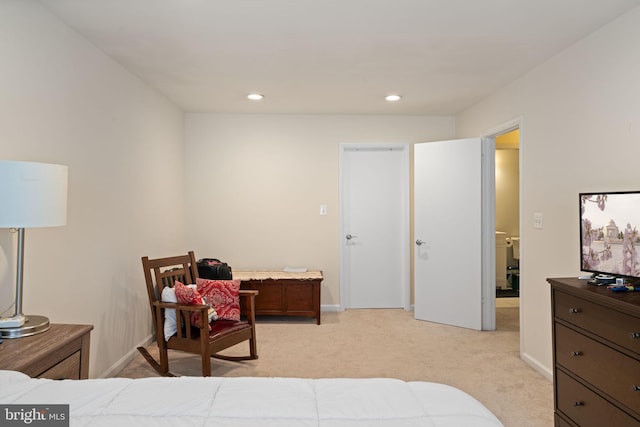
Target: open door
[(454, 196)]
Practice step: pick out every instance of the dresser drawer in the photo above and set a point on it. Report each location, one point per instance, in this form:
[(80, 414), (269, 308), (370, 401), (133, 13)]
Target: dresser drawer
[(601, 366), (561, 422), (586, 408), (613, 325)]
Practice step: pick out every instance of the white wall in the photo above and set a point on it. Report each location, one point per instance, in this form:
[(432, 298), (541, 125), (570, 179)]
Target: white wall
[(256, 183), (63, 101), (581, 132)]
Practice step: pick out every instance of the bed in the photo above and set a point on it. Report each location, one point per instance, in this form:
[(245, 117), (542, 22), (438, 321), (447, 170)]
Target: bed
[(250, 402)]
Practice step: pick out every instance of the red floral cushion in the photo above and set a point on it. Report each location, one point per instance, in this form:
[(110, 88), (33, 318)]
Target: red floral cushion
[(223, 295), (189, 296)]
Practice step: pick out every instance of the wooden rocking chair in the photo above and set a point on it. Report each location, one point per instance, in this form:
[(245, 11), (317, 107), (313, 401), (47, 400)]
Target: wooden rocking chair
[(207, 343)]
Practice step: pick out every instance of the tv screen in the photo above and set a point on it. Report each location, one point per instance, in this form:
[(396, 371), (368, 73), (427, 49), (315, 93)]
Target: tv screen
[(609, 237)]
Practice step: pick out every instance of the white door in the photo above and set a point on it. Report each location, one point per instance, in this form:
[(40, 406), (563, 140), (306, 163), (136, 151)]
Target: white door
[(374, 226), (455, 233)]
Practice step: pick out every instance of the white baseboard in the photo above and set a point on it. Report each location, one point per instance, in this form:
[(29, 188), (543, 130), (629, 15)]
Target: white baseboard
[(126, 359), (336, 308), (542, 370)]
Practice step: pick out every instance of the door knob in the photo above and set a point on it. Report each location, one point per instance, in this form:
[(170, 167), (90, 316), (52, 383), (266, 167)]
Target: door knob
[(349, 236), (419, 242)]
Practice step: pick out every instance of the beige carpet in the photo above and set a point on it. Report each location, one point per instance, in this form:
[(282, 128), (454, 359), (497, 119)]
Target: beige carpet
[(391, 343)]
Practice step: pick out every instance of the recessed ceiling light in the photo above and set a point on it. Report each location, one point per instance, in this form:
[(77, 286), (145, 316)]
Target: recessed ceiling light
[(392, 98), (255, 96)]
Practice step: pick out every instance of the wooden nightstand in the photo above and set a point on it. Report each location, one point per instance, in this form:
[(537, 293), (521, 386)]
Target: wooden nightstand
[(62, 352)]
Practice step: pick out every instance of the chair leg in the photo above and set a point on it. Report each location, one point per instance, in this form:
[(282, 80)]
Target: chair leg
[(155, 365), (205, 354), (253, 347), (251, 319), (206, 365), (253, 352), (164, 361)]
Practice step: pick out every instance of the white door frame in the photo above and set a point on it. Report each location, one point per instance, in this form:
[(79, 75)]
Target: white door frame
[(500, 129), (488, 209), (404, 274)]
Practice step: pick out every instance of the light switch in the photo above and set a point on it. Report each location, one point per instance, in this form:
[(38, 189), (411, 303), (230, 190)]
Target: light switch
[(537, 220), (323, 210)]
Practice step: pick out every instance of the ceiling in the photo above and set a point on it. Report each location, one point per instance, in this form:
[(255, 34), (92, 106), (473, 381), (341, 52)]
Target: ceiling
[(333, 56)]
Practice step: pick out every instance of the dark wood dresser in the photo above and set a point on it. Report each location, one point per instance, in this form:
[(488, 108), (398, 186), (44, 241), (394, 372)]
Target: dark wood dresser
[(62, 352), (596, 354)]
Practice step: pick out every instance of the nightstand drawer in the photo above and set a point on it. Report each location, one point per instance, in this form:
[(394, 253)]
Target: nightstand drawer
[(67, 369), (586, 408), (599, 365), (61, 352), (613, 325)]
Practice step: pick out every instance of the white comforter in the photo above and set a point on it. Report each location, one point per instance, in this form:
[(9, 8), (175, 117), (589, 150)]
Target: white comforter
[(251, 402)]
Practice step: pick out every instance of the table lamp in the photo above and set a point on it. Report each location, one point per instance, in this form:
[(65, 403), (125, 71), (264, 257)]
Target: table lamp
[(31, 195)]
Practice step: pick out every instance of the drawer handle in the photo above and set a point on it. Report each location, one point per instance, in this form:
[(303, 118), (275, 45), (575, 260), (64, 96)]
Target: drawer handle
[(574, 310), (634, 335), (578, 403), (635, 387), (576, 353)]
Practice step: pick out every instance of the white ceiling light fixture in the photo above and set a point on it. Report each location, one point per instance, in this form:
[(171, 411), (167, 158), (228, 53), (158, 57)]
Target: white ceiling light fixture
[(392, 98), (255, 96)]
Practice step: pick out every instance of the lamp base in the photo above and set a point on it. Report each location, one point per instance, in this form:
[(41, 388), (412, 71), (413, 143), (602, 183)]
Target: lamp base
[(33, 325), (12, 322)]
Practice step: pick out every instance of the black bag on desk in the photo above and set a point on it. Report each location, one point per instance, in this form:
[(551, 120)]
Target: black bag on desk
[(212, 268)]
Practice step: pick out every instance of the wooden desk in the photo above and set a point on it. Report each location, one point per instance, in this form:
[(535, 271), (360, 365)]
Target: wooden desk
[(282, 293), (62, 352)]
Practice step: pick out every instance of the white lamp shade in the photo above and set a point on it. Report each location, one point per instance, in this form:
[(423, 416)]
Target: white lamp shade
[(32, 194)]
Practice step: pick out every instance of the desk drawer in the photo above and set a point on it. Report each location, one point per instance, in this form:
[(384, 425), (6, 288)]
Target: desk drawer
[(613, 325), (602, 366), (586, 408)]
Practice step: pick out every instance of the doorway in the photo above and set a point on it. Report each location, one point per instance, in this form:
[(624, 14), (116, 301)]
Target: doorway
[(507, 225), (374, 226), (508, 213)]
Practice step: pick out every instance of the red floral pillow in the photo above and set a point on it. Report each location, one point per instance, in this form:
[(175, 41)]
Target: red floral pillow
[(222, 295), (189, 296)]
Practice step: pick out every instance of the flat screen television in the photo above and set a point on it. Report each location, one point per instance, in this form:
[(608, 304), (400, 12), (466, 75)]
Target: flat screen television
[(609, 237)]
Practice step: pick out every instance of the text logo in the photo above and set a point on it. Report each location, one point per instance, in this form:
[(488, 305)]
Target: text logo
[(34, 415)]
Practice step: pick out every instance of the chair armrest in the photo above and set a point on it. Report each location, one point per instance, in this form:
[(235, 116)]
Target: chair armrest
[(181, 316), (250, 296)]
